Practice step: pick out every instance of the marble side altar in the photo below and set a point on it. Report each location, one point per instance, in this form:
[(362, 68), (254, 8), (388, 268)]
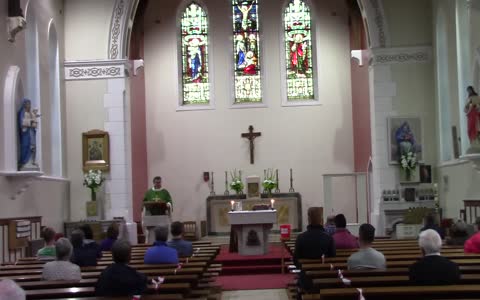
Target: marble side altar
[(287, 205)]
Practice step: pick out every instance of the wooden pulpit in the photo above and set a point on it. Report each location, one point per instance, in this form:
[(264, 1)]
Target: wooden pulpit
[(155, 214)]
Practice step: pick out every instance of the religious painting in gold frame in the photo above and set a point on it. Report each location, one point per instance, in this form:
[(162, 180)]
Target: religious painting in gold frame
[(96, 150)]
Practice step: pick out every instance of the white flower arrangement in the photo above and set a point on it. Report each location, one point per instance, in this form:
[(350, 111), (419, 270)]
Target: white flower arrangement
[(408, 162), (269, 183), (236, 183), (93, 179)]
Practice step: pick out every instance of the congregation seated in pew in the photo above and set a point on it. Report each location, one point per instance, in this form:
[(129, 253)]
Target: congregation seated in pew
[(330, 225), (184, 248), (472, 245), (342, 237), (311, 244), (48, 251), (430, 222), (119, 279), (88, 240), (432, 268), (458, 234), (62, 268), (160, 252), (84, 255), (9, 290), (112, 236), (367, 257)]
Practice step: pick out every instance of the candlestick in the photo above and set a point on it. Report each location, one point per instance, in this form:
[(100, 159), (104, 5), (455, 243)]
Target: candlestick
[(232, 203), (212, 186), (272, 203), (291, 190), (277, 189), (226, 193)]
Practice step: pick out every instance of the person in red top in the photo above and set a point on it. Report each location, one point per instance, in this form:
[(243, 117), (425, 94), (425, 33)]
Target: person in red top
[(472, 245), (343, 238)]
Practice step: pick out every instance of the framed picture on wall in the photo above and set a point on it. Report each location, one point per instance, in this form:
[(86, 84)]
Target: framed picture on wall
[(425, 173), (405, 135), (96, 150)]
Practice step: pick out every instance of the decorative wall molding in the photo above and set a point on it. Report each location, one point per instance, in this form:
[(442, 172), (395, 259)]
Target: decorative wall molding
[(401, 55), (96, 69), (374, 15), (120, 27)]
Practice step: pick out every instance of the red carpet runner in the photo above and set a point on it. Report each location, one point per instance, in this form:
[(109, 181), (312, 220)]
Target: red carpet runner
[(253, 272)]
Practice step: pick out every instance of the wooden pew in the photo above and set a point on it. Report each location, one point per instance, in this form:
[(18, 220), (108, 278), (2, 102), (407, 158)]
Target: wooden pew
[(377, 281), (83, 292), (396, 257), (403, 292), (390, 264), (374, 273)]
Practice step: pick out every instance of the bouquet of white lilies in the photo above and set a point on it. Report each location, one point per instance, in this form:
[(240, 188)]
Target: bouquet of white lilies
[(408, 162), (269, 183), (93, 179), (236, 184)]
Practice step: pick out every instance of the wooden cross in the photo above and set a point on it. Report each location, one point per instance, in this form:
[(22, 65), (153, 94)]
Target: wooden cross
[(250, 135)]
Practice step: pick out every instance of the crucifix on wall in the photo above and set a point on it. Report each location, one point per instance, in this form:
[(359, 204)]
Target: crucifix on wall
[(250, 135)]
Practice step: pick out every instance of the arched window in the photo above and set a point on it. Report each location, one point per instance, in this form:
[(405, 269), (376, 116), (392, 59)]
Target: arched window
[(246, 46), (55, 106), (194, 44), (298, 51)]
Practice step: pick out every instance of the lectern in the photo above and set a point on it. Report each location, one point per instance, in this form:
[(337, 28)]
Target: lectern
[(155, 214), (252, 229)]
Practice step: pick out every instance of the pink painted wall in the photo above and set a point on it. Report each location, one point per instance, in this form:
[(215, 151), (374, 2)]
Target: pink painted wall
[(362, 140), (140, 181)]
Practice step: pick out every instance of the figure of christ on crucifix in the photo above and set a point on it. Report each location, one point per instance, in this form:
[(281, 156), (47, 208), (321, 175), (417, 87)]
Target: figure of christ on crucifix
[(250, 135)]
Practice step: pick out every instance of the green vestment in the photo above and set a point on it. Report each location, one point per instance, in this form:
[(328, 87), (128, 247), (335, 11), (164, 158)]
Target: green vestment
[(153, 195)]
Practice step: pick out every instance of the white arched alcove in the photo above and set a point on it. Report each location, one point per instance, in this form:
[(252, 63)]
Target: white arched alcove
[(12, 99), (32, 71), (55, 122)]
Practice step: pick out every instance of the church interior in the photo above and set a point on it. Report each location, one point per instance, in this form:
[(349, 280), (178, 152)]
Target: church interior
[(250, 122)]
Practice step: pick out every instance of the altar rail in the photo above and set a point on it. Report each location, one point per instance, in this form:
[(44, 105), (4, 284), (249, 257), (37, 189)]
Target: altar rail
[(10, 256)]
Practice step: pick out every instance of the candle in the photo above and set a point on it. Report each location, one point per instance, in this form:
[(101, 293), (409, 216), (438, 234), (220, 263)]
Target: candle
[(232, 203), (272, 202)]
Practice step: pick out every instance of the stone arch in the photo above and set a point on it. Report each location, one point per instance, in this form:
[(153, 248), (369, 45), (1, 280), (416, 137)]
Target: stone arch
[(375, 23), (120, 28)]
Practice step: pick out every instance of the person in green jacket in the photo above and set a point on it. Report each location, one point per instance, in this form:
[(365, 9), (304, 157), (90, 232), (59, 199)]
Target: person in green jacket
[(158, 194)]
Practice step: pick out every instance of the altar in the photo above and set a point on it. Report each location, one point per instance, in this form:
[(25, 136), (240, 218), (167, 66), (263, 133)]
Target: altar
[(287, 205), (252, 229)]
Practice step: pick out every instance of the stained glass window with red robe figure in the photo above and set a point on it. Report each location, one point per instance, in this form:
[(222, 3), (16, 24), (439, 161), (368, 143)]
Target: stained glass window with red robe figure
[(248, 87), (298, 51), (194, 43)]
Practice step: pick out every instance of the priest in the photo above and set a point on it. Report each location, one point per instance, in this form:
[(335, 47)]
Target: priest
[(158, 194), (154, 215)]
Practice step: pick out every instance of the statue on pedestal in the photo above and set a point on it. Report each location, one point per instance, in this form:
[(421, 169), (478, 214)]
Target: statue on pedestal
[(472, 109), (15, 20), (27, 129)]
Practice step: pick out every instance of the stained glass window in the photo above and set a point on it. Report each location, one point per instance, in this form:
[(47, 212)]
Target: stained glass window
[(298, 51), (248, 88), (194, 43)]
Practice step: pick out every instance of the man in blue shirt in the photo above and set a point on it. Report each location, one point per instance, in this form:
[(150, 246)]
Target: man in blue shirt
[(160, 253), (184, 248)]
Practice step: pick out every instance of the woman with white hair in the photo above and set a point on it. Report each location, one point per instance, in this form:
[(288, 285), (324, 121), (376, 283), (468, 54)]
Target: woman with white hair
[(9, 290), (62, 268), (432, 268)]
